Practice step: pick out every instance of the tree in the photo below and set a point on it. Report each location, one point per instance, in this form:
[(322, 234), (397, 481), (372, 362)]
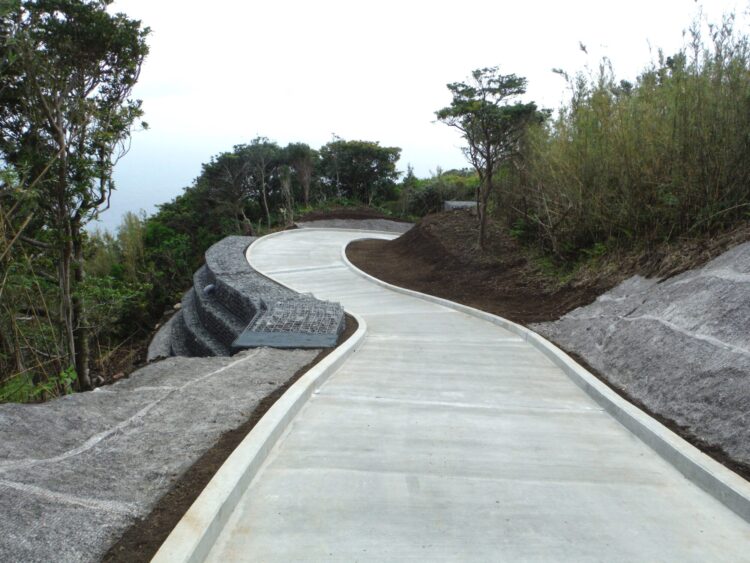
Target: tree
[(229, 181), (66, 114), (263, 156), (302, 159), (490, 124), (359, 169), (285, 182)]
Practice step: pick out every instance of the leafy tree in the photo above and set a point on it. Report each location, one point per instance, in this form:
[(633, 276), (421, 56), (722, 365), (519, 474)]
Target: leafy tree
[(263, 156), (359, 169), (66, 111), (491, 125), (303, 160), (229, 180)]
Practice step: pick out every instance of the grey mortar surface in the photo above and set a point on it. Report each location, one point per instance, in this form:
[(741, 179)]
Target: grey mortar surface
[(77, 471), (680, 346)]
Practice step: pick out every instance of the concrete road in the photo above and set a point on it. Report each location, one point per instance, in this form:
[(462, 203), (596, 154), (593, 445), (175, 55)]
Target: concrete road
[(448, 438)]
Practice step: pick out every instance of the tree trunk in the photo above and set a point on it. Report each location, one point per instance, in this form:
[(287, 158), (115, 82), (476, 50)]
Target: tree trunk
[(66, 299), (83, 353), (485, 189), (306, 190), (265, 199)]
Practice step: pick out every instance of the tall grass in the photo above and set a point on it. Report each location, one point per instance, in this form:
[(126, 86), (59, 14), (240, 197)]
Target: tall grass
[(625, 164)]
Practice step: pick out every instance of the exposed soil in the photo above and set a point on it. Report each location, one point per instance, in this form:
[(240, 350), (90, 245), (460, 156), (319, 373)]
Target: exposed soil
[(439, 256), (143, 539)]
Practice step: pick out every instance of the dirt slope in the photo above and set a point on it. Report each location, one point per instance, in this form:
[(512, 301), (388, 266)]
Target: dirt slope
[(439, 256)]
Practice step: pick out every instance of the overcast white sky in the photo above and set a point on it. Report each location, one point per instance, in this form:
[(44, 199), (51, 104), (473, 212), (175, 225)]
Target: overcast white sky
[(225, 71)]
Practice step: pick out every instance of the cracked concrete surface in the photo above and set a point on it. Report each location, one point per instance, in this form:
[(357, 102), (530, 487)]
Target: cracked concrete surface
[(76, 471), (681, 346)]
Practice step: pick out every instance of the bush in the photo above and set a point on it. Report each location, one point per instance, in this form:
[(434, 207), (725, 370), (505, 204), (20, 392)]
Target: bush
[(627, 164)]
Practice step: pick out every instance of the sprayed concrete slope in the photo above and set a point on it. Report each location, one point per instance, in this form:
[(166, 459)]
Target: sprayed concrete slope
[(681, 346), (76, 472), (447, 437)]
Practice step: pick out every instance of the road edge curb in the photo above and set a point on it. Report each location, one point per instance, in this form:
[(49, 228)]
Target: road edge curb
[(195, 534), (715, 479)]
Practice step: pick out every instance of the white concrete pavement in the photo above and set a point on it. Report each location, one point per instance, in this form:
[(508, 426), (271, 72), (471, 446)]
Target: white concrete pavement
[(446, 437)]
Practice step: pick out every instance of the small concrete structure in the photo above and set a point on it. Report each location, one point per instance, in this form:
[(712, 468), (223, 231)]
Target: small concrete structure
[(450, 436)]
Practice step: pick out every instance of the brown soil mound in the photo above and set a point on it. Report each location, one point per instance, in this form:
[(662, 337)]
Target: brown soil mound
[(440, 256)]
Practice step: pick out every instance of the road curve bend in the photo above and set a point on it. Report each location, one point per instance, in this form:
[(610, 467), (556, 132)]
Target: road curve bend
[(446, 437)]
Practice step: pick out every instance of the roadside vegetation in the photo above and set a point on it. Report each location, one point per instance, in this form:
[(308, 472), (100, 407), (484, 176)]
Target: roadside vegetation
[(622, 167), (631, 165)]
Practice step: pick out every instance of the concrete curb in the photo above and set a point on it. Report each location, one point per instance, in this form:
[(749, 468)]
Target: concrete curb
[(195, 534), (723, 484)]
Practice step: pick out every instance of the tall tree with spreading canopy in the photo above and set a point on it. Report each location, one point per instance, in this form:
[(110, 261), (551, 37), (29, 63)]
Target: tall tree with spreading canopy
[(65, 116), (359, 169), (263, 156), (491, 125), (303, 160), (229, 181)]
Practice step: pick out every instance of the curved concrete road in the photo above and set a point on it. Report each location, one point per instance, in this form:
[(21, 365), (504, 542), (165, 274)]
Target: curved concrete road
[(448, 438)]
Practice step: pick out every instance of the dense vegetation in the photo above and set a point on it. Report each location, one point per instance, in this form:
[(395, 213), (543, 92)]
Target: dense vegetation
[(67, 68), (253, 188), (629, 165)]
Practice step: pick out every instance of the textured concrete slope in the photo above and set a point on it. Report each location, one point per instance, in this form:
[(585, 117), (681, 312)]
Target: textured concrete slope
[(448, 438), (681, 346), (77, 471)]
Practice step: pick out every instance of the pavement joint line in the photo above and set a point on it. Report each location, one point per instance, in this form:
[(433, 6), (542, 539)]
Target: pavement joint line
[(388, 338), (450, 404), (706, 473), (92, 504)]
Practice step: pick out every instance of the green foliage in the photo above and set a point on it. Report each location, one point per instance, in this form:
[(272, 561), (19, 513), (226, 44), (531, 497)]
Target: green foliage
[(428, 195), (67, 69), (624, 163), (360, 170), (23, 389), (493, 125)]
